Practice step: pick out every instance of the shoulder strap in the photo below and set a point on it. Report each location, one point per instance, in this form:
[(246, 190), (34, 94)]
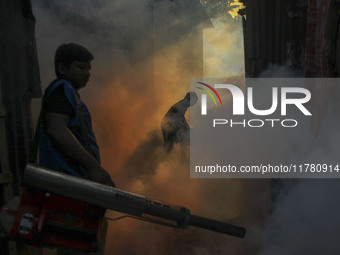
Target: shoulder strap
[(84, 129)]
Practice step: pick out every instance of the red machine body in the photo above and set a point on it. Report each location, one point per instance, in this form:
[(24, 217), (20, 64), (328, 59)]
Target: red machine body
[(48, 220)]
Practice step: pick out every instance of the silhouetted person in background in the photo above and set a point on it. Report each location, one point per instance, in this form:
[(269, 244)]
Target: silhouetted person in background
[(175, 127)]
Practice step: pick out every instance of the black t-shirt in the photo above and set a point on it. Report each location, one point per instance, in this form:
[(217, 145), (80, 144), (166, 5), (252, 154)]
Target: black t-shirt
[(57, 102)]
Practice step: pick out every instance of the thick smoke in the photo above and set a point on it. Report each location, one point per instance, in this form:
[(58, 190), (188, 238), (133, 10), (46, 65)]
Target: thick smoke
[(304, 217), (305, 220), (223, 51), (145, 56)]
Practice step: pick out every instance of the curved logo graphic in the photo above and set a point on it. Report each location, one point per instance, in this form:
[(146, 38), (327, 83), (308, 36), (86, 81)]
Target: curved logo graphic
[(209, 93)]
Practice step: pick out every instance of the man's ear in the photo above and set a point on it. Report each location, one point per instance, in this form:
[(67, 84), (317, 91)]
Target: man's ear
[(62, 69)]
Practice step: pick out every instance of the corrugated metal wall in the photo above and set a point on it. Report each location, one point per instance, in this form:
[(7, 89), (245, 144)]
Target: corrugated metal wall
[(274, 33), (19, 82)]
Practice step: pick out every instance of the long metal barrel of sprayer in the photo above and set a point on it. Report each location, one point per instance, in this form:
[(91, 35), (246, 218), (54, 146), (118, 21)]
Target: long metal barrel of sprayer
[(121, 201)]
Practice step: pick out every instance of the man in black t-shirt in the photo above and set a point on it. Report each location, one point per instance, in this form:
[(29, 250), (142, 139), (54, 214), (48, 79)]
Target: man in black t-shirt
[(67, 142)]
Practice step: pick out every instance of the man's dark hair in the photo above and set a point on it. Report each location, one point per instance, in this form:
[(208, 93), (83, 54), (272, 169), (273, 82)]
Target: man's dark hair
[(70, 52)]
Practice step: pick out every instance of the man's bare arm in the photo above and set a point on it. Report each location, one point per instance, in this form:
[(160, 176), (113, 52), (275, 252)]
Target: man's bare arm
[(57, 129)]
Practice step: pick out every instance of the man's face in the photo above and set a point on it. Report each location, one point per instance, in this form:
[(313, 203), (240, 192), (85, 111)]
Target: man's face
[(78, 73)]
